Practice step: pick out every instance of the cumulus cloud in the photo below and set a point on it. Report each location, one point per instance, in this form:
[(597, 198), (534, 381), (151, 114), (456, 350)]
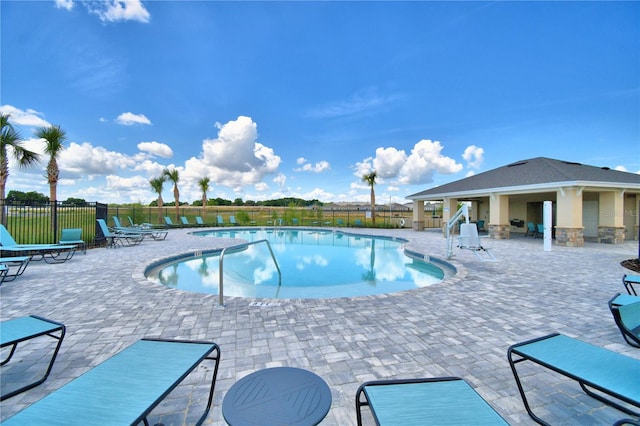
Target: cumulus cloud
[(416, 168), (156, 148), (64, 4), (85, 159), (474, 156), (425, 159), (306, 166), (129, 119), (280, 180), (388, 162), (119, 10), (29, 117), (235, 158)]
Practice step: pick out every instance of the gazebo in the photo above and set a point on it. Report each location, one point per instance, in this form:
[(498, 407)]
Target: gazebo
[(587, 201)]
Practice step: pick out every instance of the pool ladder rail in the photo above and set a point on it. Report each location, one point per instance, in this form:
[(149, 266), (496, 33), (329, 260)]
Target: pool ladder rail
[(239, 246)]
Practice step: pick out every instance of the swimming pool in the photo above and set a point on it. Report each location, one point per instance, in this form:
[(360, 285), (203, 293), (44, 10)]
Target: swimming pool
[(313, 264)]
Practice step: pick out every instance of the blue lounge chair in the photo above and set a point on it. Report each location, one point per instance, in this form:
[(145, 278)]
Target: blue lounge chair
[(232, 220), (115, 238), (50, 253), (539, 231), (583, 362), (168, 221), (630, 281), (339, 222), (294, 221), (20, 330), (19, 262), (73, 236), (220, 220), (626, 314), (144, 230), (357, 222), (124, 389), (439, 400), (4, 270), (531, 229), (199, 221), (185, 221)]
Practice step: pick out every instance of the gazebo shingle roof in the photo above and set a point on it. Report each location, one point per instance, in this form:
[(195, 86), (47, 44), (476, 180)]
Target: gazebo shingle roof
[(531, 172)]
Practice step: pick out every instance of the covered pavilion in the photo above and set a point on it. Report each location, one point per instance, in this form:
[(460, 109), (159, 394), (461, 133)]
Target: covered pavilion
[(587, 201)]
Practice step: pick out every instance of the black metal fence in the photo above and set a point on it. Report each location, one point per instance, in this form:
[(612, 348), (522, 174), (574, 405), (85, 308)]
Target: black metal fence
[(43, 223)]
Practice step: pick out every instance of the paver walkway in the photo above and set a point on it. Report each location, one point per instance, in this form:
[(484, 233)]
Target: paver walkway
[(461, 327)]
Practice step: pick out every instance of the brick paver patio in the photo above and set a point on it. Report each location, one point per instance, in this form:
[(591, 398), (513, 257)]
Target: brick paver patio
[(460, 327)]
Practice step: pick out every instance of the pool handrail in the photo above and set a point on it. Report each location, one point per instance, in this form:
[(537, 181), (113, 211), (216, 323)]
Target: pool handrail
[(247, 244)]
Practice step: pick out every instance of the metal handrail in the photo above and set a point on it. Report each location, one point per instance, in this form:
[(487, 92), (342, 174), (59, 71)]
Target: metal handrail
[(222, 253)]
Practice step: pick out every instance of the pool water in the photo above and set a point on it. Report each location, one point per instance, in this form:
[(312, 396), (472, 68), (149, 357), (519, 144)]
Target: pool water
[(313, 263)]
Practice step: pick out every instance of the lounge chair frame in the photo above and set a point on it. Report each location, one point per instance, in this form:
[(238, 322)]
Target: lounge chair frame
[(50, 253), (73, 236), (149, 370), (463, 398), (20, 330), (558, 353), (629, 282), (21, 262), (115, 237), (627, 306)]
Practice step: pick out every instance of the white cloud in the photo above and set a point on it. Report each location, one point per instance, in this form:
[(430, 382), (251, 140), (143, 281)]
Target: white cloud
[(84, 159), (261, 186), (156, 148), (319, 167), (235, 158), (129, 119), (280, 180), (29, 117), (621, 168), (425, 159), (119, 10), (416, 168), (388, 162), (64, 4), (474, 156)]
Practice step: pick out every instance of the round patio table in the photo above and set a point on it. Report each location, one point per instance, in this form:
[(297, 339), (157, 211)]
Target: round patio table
[(277, 396)]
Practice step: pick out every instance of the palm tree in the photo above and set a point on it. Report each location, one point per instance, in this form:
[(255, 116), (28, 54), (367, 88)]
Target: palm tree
[(174, 177), (370, 178), (156, 185), (203, 183), (10, 137), (54, 138)]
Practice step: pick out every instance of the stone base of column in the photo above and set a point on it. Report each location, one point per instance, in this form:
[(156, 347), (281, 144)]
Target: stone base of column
[(570, 237), (611, 234), (500, 232), (418, 225)]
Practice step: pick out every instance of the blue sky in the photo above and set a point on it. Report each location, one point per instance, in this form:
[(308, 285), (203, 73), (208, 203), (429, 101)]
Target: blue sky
[(300, 99)]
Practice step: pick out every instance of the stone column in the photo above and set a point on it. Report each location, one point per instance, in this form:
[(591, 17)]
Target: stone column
[(611, 217), (449, 208), (418, 215), (569, 229), (499, 226)]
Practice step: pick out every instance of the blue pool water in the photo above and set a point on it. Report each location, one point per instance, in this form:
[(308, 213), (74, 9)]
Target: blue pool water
[(313, 263)]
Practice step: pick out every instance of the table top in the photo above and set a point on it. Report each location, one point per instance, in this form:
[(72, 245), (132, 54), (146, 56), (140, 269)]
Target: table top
[(277, 396)]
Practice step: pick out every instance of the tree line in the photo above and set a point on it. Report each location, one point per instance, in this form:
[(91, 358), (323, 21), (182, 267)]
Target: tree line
[(54, 138)]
